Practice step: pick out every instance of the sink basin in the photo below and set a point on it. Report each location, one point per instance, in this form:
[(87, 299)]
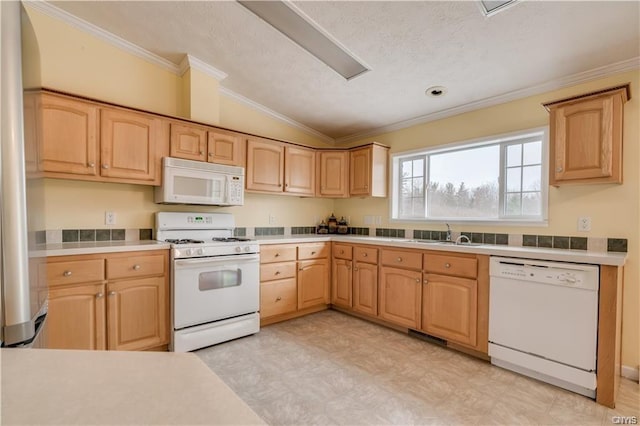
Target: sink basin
[(453, 243)]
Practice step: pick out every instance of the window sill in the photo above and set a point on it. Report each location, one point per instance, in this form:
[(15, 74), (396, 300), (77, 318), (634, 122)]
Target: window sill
[(488, 222)]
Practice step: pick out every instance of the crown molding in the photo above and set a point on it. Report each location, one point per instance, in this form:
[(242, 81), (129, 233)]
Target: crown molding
[(572, 80), (82, 25), (263, 109), (190, 61)]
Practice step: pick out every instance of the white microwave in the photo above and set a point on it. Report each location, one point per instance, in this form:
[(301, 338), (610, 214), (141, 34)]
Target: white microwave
[(197, 182)]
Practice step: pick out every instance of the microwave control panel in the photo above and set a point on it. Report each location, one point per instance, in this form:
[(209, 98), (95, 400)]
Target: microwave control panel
[(236, 185)]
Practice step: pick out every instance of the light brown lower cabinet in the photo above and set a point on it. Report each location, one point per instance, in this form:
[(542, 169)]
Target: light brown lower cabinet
[(365, 288), (449, 308), (313, 283), (76, 318), (342, 283), (400, 296), (124, 308)]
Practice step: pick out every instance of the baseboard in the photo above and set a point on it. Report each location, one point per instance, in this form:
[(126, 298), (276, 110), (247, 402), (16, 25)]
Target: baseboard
[(630, 373)]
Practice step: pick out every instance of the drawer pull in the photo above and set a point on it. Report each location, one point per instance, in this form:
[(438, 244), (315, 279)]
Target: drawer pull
[(211, 154), (67, 273), (399, 259), (277, 255), (425, 282), (313, 252), (277, 273), (201, 152), (279, 298), (417, 280), (99, 296), (559, 170), (447, 265), (341, 251), (112, 293), (301, 269), (92, 165), (356, 269), (365, 255), (136, 267), (105, 166)]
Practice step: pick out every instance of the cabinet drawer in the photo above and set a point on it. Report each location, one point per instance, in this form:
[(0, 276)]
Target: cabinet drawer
[(451, 265), (341, 251), (277, 271), (277, 253), (73, 272), (401, 259), (136, 266), (278, 297), (313, 251), (365, 254)]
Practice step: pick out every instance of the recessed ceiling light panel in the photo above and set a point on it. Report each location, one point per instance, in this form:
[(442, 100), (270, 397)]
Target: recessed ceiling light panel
[(491, 7), (436, 91), (291, 22)]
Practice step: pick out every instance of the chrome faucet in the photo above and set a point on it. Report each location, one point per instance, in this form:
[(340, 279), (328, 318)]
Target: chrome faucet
[(448, 232), (459, 239)]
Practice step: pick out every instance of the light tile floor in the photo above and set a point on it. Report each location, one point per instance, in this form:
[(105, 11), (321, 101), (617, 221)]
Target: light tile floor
[(330, 368)]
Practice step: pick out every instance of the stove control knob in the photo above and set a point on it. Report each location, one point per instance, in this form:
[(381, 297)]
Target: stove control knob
[(200, 251), (187, 252), (238, 249), (247, 249)]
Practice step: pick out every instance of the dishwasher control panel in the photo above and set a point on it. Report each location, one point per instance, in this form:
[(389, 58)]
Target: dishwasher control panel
[(551, 273)]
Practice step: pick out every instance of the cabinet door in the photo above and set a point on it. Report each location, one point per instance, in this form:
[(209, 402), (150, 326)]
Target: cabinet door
[(587, 140), (128, 145), (76, 318), (341, 286), (226, 148), (265, 165), (449, 308), (333, 174), (67, 135), (188, 142), (400, 296), (137, 314), (365, 288), (360, 171), (299, 170), (313, 283)]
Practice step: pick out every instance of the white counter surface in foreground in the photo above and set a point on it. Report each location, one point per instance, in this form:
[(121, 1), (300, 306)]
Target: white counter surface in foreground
[(578, 256), (43, 386)]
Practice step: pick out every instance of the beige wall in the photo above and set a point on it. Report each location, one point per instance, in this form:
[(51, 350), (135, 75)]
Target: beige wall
[(61, 57), (614, 209)]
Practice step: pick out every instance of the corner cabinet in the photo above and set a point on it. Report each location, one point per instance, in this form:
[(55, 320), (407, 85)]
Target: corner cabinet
[(586, 137), (116, 301), (368, 168), (332, 169)]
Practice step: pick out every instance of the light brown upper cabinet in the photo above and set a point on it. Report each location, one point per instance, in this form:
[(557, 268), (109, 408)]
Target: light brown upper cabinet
[(66, 135), (265, 165), (78, 139), (128, 145), (225, 147), (188, 141), (280, 168), (332, 174), (368, 171), (586, 137)]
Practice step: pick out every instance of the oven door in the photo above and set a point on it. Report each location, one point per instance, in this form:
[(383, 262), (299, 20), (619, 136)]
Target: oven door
[(214, 288)]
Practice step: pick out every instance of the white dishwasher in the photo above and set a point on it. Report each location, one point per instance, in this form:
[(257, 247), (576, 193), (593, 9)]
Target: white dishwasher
[(543, 321)]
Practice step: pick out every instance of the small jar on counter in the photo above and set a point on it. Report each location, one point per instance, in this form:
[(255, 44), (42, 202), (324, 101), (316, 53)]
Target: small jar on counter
[(343, 226)]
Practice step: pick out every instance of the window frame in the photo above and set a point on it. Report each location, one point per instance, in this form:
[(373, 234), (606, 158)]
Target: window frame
[(518, 137)]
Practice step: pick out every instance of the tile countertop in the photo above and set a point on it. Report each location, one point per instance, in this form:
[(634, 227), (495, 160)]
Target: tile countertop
[(577, 256), (67, 249), (45, 386)]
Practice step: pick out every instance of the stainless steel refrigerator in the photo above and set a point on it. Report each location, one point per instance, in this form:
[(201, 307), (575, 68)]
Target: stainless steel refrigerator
[(23, 305)]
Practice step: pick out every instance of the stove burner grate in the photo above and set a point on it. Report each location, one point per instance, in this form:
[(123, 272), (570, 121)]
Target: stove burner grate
[(183, 241), (229, 239)]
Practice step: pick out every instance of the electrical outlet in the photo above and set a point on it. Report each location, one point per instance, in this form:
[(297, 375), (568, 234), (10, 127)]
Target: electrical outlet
[(378, 220), (272, 219), (109, 218), (584, 224)]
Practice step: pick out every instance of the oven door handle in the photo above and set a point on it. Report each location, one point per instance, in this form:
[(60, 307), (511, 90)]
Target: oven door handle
[(241, 258)]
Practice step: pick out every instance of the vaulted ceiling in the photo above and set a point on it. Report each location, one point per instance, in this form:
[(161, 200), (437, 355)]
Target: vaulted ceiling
[(409, 46)]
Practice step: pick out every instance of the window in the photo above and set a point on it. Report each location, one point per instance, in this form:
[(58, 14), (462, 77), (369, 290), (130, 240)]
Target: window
[(500, 178)]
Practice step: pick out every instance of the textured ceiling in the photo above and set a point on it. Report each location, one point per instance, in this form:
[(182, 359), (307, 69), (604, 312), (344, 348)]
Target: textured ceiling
[(408, 45)]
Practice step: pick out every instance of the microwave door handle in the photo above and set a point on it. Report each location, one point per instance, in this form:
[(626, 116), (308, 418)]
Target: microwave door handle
[(244, 258)]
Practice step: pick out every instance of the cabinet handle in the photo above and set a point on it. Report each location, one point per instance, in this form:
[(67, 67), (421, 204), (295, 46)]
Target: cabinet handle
[(559, 169), (211, 154), (278, 299), (447, 265), (99, 296), (67, 273), (92, 165), (201, 152), (279, 185), (365, 255), (277, 255), (366, 187), (105, 166), (277, 273), (399, 259), (313, 252), (341, 251), (112, 293), (425, 282), (356, 269), (417, 280), (300, 269), (286, 184), (136, 267)]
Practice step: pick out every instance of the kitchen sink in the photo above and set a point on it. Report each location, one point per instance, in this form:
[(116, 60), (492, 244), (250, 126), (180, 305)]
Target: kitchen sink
[(443, 242)]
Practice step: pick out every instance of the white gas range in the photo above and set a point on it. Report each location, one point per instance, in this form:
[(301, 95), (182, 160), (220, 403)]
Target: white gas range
[(215, 279)]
